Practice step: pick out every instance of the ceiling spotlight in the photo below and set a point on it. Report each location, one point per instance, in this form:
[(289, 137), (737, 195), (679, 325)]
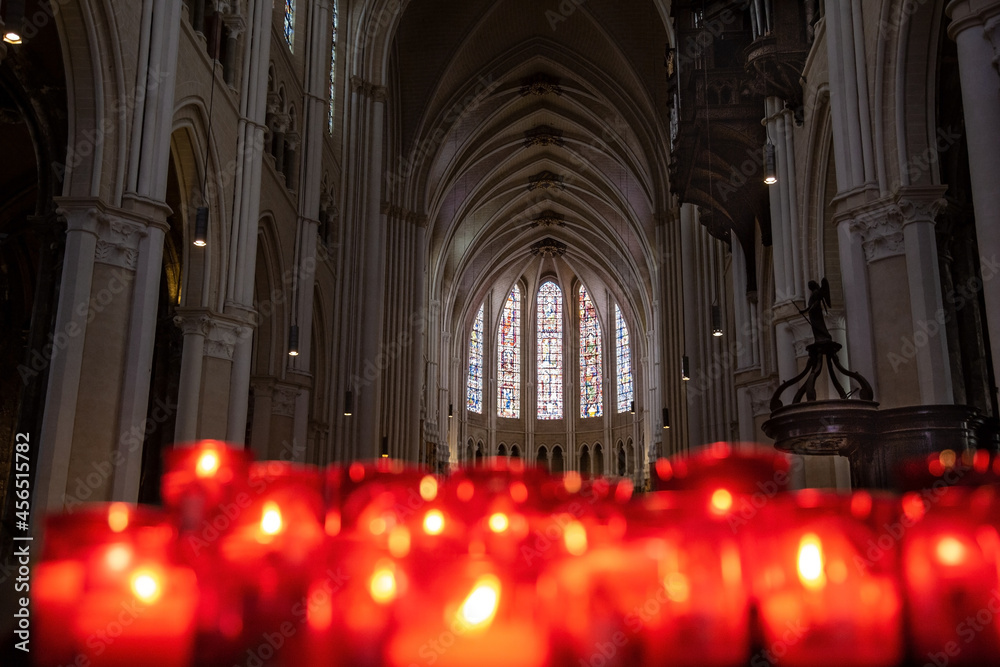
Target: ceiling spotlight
[(14, 22), (716, 320), (201, 227), (293, 341), (770, 174)]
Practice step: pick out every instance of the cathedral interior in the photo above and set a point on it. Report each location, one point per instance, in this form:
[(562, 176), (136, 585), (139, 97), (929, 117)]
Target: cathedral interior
[(586, 234)]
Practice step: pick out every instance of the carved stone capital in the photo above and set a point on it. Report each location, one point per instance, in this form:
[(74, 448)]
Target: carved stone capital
[(273, 103), (283, 400), (293, 139), (236, 25), (192, 323), (881, 232), (921, 204), (280, 122), (760, 397), (118, 241), (369, 89), (222, 336)]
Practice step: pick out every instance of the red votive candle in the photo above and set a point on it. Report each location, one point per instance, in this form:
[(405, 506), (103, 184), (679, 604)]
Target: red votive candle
[(951, 559), (823, 600)]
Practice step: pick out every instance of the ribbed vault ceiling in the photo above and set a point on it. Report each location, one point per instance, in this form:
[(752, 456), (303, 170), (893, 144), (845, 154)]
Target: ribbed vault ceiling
[(490, 159)]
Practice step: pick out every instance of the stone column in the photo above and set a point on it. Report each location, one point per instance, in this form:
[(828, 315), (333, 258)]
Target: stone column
[(193, 325), (857, 301), (235, 26), (975, 27), (65, 366), (281, 122), (146, 262), (254, 99), (919, 207)]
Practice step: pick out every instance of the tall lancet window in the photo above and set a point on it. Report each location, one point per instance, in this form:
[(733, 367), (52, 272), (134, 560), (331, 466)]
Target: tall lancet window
[(333, 66), (550, 352), (289, 24), (591, 393), (474, 393), (623, 365), (509, 357)]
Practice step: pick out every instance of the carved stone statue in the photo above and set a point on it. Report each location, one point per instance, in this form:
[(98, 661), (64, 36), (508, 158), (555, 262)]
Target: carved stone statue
[(819, 301)]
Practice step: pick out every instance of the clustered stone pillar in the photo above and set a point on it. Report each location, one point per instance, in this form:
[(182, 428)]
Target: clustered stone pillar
[(975, 27)]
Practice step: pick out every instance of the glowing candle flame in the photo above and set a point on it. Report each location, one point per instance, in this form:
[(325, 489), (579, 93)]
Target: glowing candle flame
[(575, 538), (146, 586), (270, 520), (118, 517), (499, 522), (208, 464), (480, 607), (428, 488), (810, 562), (950, 551), (118, 557), (722, 501), (383, 585), (433, 522)]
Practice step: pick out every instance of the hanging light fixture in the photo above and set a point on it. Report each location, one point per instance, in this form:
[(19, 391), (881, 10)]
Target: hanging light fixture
[(293, 341), (201, 216), (716, 320), (348, 403), (770, 173), (201, 227), (14, 22), (631, 407), (685, 368), (385, 447), (451, 411), (666, 418)]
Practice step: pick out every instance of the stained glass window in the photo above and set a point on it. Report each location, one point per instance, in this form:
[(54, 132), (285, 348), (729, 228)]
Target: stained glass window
[(333, 66), (591, 394), (509, 357), (623, 365), (474, 395), (290, 23), (550, 367)]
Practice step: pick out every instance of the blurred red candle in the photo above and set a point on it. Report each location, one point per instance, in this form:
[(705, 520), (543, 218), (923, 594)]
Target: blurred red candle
[(951, 562), (821, 601), (109, 586), (468, 613)]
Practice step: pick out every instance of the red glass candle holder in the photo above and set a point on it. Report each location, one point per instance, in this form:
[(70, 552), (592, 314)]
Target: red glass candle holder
[(109, 585), (740, 467), (822, 598), (205, 484), (951, 565)]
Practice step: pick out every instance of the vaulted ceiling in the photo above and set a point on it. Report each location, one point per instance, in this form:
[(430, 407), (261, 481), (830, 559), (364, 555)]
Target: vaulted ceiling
[(516, 121)]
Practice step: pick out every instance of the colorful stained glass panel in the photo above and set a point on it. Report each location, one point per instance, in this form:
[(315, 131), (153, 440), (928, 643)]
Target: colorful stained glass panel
[(509, 357), (623, 362), (591, 394), (333, 66), (474, 393), (550, 352), (289, 24)]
